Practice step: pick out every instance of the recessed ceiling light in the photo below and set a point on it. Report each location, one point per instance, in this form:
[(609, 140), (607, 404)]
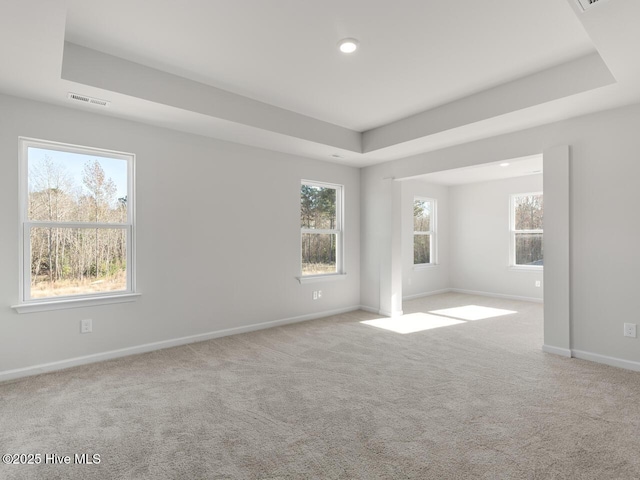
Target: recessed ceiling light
[(505, 164), (348, 45)]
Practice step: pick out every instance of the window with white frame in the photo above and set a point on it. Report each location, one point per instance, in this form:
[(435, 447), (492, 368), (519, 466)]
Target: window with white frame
[(526, 230), (424, 231), (77, 215), (321, 228)]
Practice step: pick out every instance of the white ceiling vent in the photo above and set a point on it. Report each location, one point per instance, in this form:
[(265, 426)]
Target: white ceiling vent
[(587, 4), (86, 99)]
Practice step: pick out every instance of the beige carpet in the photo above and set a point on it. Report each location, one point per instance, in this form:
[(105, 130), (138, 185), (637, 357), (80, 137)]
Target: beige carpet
[(335, 398)]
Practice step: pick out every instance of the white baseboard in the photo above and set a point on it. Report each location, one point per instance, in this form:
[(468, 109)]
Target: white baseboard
[(148, 347), (426, 294), (448, 290), (593, 357), (564, 352), (378, 311), (369, 309), (498, 295), (612, 361)]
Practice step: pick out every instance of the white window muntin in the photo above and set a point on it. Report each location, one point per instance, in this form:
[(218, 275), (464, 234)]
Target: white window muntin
[(337, 231), (433, 260), (513, 231), (26, 224)]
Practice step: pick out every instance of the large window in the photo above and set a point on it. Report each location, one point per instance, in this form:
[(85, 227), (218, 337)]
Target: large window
[(321, 228), (424, 231), (77, 222), (526, 230)]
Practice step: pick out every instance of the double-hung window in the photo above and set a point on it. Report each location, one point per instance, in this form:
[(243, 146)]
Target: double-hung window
[(321, 228), (77, 216), (424, 231), (526, 230)]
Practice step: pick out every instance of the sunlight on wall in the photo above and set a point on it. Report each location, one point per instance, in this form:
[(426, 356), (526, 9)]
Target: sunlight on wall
[(473, 312), (411, 323)]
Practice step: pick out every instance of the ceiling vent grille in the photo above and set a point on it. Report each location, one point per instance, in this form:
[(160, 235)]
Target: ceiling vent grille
[(587, 4), (86, 99)]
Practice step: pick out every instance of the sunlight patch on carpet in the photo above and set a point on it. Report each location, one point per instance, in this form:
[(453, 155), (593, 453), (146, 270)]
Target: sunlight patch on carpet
[(473, 312), (413, 322)]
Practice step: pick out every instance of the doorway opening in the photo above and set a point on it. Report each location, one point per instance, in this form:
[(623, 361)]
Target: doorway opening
[(475, 230)]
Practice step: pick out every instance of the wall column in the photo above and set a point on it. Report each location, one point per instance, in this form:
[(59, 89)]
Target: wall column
[(391, 252), (557, 289)]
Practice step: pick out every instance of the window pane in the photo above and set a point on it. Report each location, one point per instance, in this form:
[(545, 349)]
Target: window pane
[(421, 216), (528, 212), (77, 261), (421, 249), (74, 187), (529, 249), (318, 207), (318, 253)]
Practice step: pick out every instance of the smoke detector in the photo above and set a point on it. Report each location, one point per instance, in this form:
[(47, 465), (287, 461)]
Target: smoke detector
[(86, 99), (586, 4)]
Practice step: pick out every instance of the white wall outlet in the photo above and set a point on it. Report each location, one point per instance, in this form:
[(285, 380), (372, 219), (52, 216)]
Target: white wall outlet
[(538, 283), (319, 293), (86, 326), (315, 294), (630, 330)]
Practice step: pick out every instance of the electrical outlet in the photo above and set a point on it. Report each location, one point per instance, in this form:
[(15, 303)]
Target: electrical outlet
[(315, 294), (86, 326), (319, 293), (538, 283), (630, 330)]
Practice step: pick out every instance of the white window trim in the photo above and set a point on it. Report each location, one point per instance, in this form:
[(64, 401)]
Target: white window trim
[(425, 266), (26, 304), (512, 235), (340, 273), (325, 277), (433, 240), (73, 302)]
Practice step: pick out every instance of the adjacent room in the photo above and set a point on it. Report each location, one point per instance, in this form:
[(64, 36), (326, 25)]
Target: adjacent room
[(343, 240), (476, 230)]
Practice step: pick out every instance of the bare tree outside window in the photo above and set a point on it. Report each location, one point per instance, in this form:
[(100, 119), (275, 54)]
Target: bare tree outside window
[(527, 229), (423, 231), (77, 223), (320, 223)]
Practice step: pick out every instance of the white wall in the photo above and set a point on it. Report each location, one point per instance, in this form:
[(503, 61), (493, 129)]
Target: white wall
[(480, 238), (604, 224), (473, 240), (419, 280), (198, 266), (193, 189), (370, 261)]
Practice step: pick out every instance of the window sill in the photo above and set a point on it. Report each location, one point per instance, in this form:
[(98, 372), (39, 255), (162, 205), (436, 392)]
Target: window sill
[(425, 266), (321, 278), (74, 303), (525, 268)]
